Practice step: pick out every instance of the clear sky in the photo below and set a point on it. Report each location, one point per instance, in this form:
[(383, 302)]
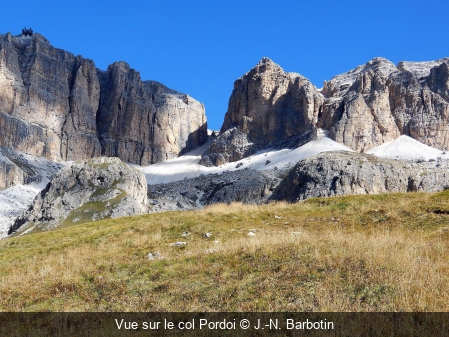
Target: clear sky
[(202, 47)]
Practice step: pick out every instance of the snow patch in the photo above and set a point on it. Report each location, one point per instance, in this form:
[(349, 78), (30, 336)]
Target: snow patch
[(210, 132), (320, 133), (16, 199), (188, 165), (407, 148)]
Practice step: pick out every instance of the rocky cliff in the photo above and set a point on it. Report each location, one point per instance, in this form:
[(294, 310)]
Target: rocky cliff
[(378, 102), (267, 105), (363, 108), (21, 168), (345, 173), (59, 106), (146, 122), (10, 174), (89, 190)]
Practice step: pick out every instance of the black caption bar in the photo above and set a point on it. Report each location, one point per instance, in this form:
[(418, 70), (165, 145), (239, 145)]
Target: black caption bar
[(224, 324)]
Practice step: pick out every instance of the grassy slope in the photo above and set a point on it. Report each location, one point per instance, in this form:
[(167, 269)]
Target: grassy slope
[(360, 253)]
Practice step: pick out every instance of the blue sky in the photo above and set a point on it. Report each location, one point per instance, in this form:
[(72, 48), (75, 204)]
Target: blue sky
[(202, 47)]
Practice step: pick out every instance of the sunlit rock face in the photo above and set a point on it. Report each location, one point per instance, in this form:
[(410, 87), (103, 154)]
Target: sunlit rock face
[(59, 106), (365, 107), (377, 102), (266, 105), (146, 122), (48, 99), (94, 189)]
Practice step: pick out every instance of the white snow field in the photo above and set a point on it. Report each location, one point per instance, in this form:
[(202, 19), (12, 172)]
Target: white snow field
[(403, 148), (14, 201), (187, 166), (406, 148)]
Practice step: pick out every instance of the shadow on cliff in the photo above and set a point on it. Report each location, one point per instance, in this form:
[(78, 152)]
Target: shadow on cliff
[(195, 139)]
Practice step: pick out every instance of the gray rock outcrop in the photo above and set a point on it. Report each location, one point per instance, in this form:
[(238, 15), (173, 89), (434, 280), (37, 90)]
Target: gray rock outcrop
[(247, 186), (59, 106), (346, 173), (98, 188)]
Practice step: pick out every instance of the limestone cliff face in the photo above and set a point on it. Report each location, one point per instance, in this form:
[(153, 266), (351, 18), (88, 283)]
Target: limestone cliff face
[(59, 106), (145, 122), (179, 121), (356, 110), (21, 168), (421, 104), (48, 99), (10, 174), (266, 105), (363, 108), (377, 102)]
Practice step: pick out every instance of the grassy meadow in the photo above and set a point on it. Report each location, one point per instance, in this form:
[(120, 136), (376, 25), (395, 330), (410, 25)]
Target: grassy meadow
[(358, 253)]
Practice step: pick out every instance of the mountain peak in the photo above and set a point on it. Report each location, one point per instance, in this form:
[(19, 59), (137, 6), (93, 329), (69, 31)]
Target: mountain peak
[(265, 60), (122, 65), (378, 59), (266, 64), (380, 65)]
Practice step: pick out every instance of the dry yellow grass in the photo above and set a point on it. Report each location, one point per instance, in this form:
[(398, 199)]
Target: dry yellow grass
[(358, 253)]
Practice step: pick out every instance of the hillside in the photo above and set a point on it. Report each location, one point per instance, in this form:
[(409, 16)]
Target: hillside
[(385, 252)]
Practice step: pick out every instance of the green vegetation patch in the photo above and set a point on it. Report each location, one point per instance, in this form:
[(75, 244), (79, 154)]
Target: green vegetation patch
[(86, 212)]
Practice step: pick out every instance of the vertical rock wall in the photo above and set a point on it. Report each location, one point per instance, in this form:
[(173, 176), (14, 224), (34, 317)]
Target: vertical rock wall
[(377, 102), (58, 106), (267, 105)]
